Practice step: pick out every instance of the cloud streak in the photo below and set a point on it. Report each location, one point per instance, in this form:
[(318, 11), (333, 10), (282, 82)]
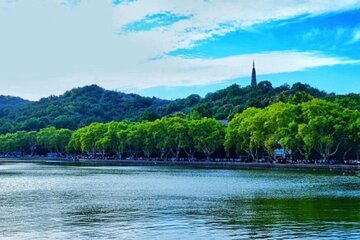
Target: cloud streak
[(356, 36), (216, 18), (175, 71)]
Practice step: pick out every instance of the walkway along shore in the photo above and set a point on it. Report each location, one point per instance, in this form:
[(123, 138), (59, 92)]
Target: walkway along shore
[(204, 164)]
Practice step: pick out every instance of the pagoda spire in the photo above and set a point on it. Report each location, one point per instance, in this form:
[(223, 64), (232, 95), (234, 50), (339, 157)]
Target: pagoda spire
[(253, 75)]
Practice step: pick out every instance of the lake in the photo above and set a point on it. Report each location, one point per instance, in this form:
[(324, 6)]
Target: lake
[(122, 202)]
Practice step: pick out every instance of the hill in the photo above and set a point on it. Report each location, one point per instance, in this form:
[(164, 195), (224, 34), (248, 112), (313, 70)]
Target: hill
[(75, 108), (82, 106), (9, 102), (224, 103)]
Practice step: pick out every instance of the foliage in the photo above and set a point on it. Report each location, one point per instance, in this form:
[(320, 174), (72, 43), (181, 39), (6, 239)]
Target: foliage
[(208, 134), (316, 127), (305, 122), (77, 108), (82, 106)]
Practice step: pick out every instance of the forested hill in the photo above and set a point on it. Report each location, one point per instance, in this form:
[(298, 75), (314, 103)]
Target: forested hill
[(77, 107), (9, 102), (82, 106), (225, 103)]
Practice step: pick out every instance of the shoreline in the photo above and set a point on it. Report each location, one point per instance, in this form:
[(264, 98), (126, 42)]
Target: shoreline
[(201, 164)]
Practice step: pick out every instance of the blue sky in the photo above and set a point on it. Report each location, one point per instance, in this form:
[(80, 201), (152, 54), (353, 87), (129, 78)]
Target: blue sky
[(173, 48)]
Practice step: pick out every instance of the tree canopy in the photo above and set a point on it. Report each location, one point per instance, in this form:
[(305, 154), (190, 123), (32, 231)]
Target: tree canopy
[(80, 107), (313, 129)]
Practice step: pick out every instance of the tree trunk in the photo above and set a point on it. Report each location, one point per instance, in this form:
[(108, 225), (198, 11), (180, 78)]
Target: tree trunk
[(118, 154), (175, 153), (207, 154), (190, 153), (253, 155), (131, 152), (345, 153), (146, 154), (326, 153), (162, 153)]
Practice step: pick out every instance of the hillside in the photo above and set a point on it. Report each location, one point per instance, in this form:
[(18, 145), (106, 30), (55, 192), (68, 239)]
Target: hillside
[(9, 102), (224, 103), (82, 106), (77, 107)]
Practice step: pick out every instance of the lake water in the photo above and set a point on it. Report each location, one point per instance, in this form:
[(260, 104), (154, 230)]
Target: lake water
[(118, 202)]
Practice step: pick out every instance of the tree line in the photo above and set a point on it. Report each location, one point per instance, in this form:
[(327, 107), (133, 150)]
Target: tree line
[(80, 107), (316, 129)]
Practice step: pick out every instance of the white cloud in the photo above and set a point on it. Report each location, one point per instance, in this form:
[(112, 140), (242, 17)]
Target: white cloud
[(48, 46), (356, 36), (177, 71), (215, 17)]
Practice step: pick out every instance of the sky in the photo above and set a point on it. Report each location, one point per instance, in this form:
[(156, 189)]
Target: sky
[(173, 48)]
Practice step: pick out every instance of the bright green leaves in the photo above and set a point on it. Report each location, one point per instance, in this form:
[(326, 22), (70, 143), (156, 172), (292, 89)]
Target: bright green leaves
[(243, 131), (53, 140), (314, 125), (323, 128), (208, 135), (313, 128)]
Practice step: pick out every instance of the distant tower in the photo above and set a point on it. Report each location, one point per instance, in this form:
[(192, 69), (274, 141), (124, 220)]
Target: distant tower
[(253, 76)]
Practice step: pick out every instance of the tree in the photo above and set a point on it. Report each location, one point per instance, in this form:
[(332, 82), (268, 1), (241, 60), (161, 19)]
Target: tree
[(90, 135), (160, 136), (208, 134), (113, 139), (280, 127), (30, 124), (54, 140), (31, 141), (46, 138), (147, 143), (122, 138), (177, 135), (240, 133), (6, 126), (353, 132), (139, 138), (323, 127), (74, 144), (103, 145), (200, 111), (62, 137), (189, 145)]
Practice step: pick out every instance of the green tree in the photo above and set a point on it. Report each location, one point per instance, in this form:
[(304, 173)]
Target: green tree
[(323, 127), (280, 127), (74, 144), (31, 141), (122, 138), (208, 134), (113, 139), (90, 135), (161, 137), (240, 133), (139, 139), (353, 132), (46, 138), (54, 140), (177, 135), (62, 137)]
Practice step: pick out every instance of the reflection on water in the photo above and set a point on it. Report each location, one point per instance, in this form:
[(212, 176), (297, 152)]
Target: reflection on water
[(82, 202), (322, 216)]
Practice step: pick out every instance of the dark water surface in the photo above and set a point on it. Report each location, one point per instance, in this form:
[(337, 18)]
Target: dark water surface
[(40, 201)]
